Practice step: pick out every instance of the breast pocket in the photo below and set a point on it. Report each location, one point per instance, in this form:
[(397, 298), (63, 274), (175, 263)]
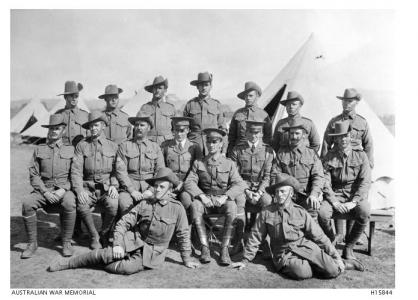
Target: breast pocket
[(222, 176), (163, 228), (65, 159), (293, 229), (132, 160), (45, 163), (212, 116), (305, 167), (186, 162), (149, 161), (245, 164), (107, 161)]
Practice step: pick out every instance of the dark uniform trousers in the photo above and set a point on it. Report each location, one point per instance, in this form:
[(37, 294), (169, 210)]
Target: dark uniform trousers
[(36, 201)]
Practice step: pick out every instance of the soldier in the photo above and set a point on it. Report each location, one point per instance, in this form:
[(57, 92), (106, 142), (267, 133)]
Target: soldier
[(93, 177), (73, 116), (216, 186), (303, 163), (294, 103), (49, 172), (300, 248), (254, 160), (118, 129), (347, 172), (142, 158), (179, 155), (159, 110), (205, 111), (250, 112), (142, 236)]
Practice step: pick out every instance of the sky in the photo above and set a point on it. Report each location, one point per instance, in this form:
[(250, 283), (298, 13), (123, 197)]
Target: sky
[(131, 47)]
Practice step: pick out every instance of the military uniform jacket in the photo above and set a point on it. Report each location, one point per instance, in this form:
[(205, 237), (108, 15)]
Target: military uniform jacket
[(180, 161), (254, 167), (142, 159), (50, 167), (74, 118), (118, 128), (360, 135), (291, 229), (215, 177), (206, 113), (281, 138), (347, 174), (95, 163), (151, 226), (304, 164), (237, 127), (161, 113)]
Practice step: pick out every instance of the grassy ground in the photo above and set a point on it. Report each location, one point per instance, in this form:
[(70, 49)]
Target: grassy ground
[(31, 273)]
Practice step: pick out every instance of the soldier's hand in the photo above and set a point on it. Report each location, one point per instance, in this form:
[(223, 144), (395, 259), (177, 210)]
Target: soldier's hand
[(83, 197), (350, 205), (238, 265), (256, 198), (313, 202), (338, 206), (147, 194), (249, 194), (340, 264), (60, 193), (113, 192), (206, 201), (221, 200), (192, 265), (136, 195), (118, 252), (51, 197)]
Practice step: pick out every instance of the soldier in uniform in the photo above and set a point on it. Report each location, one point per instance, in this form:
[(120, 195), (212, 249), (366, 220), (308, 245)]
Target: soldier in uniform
[(93, 177), (73, 116), (303, 163), (159, 110), (179, 155), (142, 236), (205, 111), (216, 187), (347, 172), (250, 112), (300, 248), (294, 103), (49, 172), (254, 160), (142, 158), (118, 129)]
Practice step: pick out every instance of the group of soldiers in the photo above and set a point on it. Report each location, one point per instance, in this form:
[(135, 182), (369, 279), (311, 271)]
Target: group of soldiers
[(157, 174)]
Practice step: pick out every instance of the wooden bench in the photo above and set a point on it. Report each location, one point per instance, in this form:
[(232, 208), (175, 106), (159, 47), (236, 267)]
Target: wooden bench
[(376, 215)]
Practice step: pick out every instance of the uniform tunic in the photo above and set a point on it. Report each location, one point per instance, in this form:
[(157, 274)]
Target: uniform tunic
[(237, 127), (118, 128), (281, 138), (74, 118), (161, 113)]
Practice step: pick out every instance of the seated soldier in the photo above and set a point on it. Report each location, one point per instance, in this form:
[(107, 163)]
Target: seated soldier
[(347, 175), (49, 172), (142, 158), (303, 163), (300, 248), (142, 236), (216, 187), (93, 178), (254, 160)]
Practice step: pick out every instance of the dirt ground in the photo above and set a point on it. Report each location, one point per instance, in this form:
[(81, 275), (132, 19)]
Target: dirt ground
[(31, 273)]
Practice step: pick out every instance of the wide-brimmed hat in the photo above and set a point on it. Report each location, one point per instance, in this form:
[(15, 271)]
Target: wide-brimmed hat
[(165, 174), (284, 179), (202, 77), (71, 87), (248, 87), (214, 133), (55, 120), (254, 124), (157, 81), (291, 96), (141, 117), (181, 121), (95, 116), (111, 89), (341, 128), (350, 94), (296, 124)]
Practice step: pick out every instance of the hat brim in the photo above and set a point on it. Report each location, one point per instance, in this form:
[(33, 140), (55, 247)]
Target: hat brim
[(208, 130), (104, 95), (349, 98), (87, 124), (68, 93), (196, 82), (133, 120), (296, 127), (244, 93), (152, 181), (150, 87), (338, 134), (283, 102), (48, 126), (272, 189)]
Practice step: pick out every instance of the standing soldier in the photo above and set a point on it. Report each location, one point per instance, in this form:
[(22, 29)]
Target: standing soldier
[(142, 158), (205, 111), (179, 155), (303, 163), (49, 172), (118, 129), (216, 187), (93, 177), (73, 116), (250, 112), (159, 111), (294, 103)]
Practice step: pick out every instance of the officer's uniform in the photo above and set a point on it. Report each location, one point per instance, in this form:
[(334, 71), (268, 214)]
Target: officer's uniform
[(118, 128), (74, 118), (298, 244)]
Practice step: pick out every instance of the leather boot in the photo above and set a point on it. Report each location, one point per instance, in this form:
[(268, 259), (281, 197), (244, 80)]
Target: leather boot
[(351, 240), (107, 224), (94, 235), (226, 239), (239, 232), (32, 232), (353, 264), (225, 259), (92, 258), (201, 232), (326, 226), (67, 228), (78, 229)]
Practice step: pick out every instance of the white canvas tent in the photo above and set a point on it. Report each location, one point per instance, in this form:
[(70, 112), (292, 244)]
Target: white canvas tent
[(308, 73), (34, 109), (133, 105)]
